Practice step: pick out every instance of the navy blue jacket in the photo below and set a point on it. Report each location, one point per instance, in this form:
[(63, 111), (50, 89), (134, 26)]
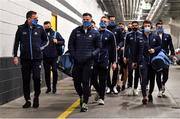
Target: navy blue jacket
[(51, 50), (108, 46), (134, 45), (117, 31), (31, 40), (84, 46), (153, 41), (166, 43)]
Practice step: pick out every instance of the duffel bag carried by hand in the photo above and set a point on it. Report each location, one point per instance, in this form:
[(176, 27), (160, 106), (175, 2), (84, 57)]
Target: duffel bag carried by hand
[(66, 64), (160, 61)]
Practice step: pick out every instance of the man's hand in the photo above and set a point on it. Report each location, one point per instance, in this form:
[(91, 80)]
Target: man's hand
[(55, 41), (134, 65), (16, 60), (151, 51), (174, 58), (125, 60), (122, 48), (114, 66)]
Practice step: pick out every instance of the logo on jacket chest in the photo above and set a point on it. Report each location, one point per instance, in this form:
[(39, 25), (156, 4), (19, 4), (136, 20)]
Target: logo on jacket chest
[(48, 34), (90, 36), (24, 33), (35, 33)]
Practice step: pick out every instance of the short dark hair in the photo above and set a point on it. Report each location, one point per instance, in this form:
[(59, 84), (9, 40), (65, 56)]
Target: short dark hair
[(110, 16), (135, 22), (158, 23), (147, 22), (87, 14), (121, 23), (47, 22), (30, 13), (104, 17)]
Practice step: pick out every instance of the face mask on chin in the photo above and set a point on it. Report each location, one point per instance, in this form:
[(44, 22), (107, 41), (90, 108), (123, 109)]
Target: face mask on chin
[(129, 29), (102, 25), (112, 23), (34, 22), (47, 29), (86, 24), (147, 29), (160, 30)]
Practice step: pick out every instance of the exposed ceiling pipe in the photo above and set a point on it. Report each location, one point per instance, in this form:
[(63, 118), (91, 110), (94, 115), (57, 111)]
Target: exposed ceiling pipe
[(131, 6), (122, 9), (158, 4)]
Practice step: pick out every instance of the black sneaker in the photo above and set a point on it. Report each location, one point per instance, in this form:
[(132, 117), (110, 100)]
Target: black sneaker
[(48, 90), (150, 98), (123, 88), (84, 107), (36, 103), (54, 91), (81, 101), (118, 88), (144, 101), (27, 104)]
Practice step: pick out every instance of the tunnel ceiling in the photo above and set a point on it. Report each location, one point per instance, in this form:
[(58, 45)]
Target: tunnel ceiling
[(126, 10), (169, 9)]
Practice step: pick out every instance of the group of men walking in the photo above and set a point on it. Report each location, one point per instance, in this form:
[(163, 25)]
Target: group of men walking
[(95, 52)]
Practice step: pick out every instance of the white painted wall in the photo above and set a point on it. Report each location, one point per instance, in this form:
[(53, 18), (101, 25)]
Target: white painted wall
[(12, 14), (90, 6)]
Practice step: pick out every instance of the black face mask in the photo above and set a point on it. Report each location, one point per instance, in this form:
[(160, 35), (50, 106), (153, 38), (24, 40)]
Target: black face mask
[(129, 29), (134, 29), (48, 29)]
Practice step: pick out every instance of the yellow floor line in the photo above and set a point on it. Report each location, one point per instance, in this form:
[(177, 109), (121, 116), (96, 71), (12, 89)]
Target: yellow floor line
[(65, 114)]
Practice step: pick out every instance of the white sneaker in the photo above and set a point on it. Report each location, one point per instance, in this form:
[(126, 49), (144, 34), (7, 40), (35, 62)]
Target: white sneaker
[(163, 88), (108, 90), (115, 90), (135, 92), (101, 102), (96, 97), (129, 91), (160, 94)]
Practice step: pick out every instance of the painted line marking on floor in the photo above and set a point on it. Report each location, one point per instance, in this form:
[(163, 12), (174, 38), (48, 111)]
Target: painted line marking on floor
[(69, 110)]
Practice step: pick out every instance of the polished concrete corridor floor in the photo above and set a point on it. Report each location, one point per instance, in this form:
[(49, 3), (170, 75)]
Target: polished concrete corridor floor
[(116, 106)]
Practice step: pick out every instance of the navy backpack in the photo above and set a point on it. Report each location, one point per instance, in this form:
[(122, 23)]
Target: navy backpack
[(160, 61)]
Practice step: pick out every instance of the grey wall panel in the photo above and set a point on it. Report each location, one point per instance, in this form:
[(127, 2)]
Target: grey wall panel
[(55, 10)]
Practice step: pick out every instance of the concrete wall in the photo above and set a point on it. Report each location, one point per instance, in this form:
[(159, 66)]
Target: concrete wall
[(13, 13), (175, 31)]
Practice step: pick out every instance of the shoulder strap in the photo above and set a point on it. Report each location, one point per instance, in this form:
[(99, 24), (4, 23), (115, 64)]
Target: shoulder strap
[(55, 35)]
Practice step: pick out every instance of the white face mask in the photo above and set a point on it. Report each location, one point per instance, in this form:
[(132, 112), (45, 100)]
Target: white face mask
[(147, 29)]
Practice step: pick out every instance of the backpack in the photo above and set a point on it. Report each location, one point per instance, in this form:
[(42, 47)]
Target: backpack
[(66, 63), (60, 48), (160, 61)]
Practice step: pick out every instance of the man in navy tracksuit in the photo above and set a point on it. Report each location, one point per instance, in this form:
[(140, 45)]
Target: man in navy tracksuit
[(123, 66), (133, 53), (50, 56), (32, 39), (112, 86), (151, 49), (101, 65), (84, 44), (167, 45)]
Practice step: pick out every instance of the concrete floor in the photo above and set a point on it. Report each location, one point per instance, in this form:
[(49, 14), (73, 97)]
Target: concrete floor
[(121, 106)]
